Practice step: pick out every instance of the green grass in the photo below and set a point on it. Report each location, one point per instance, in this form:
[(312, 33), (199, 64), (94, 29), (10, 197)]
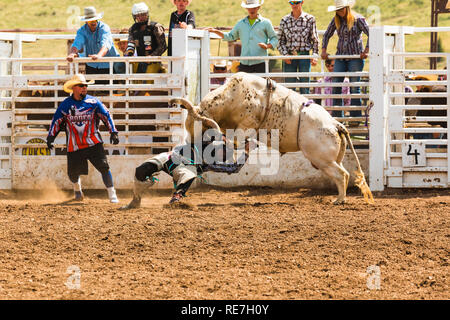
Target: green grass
[(54, 14)]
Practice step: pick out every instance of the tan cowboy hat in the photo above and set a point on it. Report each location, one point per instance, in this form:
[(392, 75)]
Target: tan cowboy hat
[(189, 2), (76, 79), (90, 14), (339, 4), (428, 77), (248, 4)]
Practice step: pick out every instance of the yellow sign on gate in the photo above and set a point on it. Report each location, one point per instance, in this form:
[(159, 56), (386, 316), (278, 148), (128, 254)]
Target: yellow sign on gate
[(44, 151)]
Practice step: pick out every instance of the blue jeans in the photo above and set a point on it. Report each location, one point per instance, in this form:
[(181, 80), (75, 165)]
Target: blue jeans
[(301, 65), (347, 65)]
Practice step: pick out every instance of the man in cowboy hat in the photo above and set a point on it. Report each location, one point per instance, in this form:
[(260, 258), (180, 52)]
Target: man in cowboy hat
[(80, 115), (95, 40), (147, 38), (256, 34), (122, 45), (221, 66), (180, 18)]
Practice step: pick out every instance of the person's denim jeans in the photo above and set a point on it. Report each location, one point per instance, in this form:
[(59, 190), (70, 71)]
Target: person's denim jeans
[(300, 65), (347, 65)]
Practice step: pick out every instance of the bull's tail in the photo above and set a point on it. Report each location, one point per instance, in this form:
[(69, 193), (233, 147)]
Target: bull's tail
[(360, 180), (186, 104)]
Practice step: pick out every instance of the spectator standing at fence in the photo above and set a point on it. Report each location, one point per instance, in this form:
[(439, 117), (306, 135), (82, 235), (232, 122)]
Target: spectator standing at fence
[(256, 34), (297, 35), (147, 38), (180, 18), (80, 115), (349, 26), (434, 101), (122, 45), (219, 67), (328, 102), (94, 40)]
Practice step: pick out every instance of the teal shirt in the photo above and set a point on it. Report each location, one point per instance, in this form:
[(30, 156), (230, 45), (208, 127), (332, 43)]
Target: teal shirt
[(261, 31)]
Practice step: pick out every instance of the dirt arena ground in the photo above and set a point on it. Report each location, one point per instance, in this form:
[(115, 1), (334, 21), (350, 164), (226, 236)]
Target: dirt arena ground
[(226, 244)]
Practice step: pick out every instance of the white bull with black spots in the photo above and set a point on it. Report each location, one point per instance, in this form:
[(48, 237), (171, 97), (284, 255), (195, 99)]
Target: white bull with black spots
[(247, 102)]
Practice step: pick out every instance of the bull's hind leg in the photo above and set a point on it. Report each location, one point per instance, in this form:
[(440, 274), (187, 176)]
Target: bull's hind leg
[(340, 158), (340, 176)]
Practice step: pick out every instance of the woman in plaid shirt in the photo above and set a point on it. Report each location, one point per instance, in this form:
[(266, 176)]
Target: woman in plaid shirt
[(298, 36), (349, 26)]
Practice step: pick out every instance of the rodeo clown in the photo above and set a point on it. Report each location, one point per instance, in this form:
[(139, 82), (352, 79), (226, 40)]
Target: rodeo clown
[(187, 162), (80, 115)]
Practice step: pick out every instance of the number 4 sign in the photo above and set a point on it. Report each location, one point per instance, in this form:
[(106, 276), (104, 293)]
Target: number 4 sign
[(413, 155)]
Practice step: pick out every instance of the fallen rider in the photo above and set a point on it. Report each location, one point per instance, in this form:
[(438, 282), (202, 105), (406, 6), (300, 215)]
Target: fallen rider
[(185, 163)]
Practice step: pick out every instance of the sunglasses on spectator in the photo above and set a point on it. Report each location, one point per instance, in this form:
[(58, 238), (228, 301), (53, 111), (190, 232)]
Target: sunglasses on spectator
[(295, 2), (81, 85), (220, 68)]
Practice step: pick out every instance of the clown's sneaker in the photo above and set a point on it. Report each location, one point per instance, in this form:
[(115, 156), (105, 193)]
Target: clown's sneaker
[(79, 196), (112, 195)]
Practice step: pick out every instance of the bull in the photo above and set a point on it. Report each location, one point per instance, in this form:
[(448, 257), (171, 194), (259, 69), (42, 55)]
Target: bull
[(247, 101)]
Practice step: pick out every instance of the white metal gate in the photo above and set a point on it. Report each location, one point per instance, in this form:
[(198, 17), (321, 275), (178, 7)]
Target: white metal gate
[(418, 153), (409, 130)]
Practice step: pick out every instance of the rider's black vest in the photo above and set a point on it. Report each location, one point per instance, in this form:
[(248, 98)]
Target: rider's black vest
[(145, 38)]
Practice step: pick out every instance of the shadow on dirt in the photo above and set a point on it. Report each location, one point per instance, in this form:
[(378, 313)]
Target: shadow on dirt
[(67, 203), (248, 191)]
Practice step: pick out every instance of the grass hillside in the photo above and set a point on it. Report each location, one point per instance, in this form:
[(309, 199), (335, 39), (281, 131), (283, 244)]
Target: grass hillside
[(57, 14)]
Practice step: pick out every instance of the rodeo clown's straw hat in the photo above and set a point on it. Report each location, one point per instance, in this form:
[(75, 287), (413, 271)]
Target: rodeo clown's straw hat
[(248, 4), (339, 4), (189, 2), (76, 79), (90, 14)]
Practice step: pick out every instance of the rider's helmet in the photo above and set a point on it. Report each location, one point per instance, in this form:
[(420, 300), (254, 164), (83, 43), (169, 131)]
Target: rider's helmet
[(139, 8)]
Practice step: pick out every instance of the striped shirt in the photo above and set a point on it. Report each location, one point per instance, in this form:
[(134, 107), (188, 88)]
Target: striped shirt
[(295, 35), (81, 121), (350, 41)]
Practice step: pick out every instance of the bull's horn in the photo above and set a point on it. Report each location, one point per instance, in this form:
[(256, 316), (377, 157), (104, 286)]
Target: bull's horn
[(184, 103), (210, 123), (191, 110)]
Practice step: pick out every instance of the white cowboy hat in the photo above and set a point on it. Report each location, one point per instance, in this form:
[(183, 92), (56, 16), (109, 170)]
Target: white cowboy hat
[(76, 79), (90, 14), (189, 2), (220, 64), (123, 31), (251, 3), (339, 4)]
